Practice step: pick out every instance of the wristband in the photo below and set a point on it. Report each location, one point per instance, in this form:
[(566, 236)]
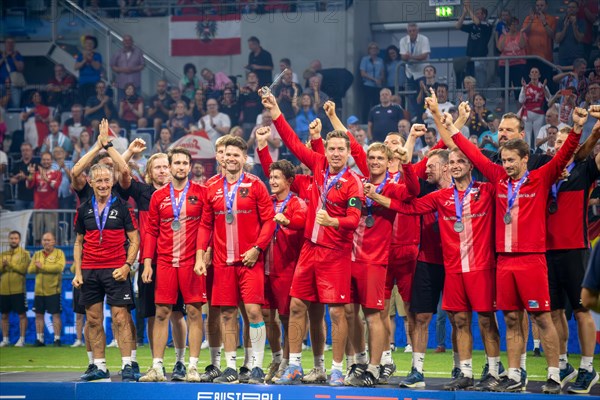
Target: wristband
[(128, 264), (258, 248), (107, 146)]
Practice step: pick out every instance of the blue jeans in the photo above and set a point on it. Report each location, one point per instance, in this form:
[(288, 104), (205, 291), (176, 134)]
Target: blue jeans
[(21, 205), (440, 326)]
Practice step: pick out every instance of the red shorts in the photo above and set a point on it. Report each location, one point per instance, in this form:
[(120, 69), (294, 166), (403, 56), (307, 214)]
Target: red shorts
[(367, 286), (322, 275), (470, 291), (400, 271), (522, 282), (235, 283), (277, 293), (172, 280)]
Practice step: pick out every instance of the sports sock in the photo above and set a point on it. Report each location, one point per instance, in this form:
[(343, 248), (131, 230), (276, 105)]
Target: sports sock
[(418, 360), (466, 367), (215, 356), (180, 355), (100, 363), (231, 358), (258, 334)]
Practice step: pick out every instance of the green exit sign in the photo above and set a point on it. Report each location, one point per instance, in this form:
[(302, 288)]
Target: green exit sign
[(444, 11)]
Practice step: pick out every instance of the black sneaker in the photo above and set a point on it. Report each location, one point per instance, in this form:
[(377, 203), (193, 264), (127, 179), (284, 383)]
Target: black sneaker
[(89, 370), (487, 384), (179, 372), (127, 374), (551, 387), (355, 370), (210, 374), (97, 375), (537, 352), (57, 343), (39, 343), (485, 372), (366, 379), (455, 373), (585, 381), (244, 375), (257, 376), (385, 371), (460, 383), (136, 370), (509, 385), (230, 375)]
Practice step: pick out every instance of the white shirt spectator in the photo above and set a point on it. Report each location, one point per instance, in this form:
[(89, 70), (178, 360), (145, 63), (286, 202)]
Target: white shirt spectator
[(444, 108), (220, 120), (543, 133), (421, 46)]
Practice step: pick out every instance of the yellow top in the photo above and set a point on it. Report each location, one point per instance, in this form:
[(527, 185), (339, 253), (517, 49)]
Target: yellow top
[(13, 268), (48, 269)]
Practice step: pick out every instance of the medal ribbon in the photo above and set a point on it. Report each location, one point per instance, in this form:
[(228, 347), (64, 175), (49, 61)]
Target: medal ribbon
[(101, 226), (556, 186), (378, 190), (459, 205), (327, 188), (512, 195), (229, 197), (176, 205), (289, 196)]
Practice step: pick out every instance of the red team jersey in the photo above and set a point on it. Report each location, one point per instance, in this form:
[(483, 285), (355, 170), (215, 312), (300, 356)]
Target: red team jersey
[(527, 232), (45, 191), (253, 223), (174, 248)]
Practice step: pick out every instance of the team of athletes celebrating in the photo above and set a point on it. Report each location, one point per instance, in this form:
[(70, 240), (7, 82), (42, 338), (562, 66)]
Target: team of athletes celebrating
[(516, 242)]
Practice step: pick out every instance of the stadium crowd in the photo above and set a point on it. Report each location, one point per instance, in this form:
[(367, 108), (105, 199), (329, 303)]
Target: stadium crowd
[(470, 195)]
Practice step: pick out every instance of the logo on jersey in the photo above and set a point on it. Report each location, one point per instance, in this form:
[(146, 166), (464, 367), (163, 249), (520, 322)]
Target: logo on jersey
[(244, 192), (113, 214), (338, 185), (193, 199), (533, 304), (342, 296)]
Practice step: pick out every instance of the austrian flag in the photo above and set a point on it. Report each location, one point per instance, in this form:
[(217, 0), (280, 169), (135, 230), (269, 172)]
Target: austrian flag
[(205, 35)]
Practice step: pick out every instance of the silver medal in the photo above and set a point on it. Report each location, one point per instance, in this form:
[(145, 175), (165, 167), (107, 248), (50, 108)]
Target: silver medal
[(229, 218), (176, 225), (370, 221), (459, 227), (507, 218)]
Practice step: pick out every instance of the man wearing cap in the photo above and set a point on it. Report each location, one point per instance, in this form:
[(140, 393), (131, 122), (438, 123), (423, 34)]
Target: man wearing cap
[(384, 117)]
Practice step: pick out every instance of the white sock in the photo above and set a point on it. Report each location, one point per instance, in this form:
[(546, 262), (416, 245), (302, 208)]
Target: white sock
[(5, 339), (193, 361), (40, 337), (456, 360), (494, 366), (587, 363), (350, 360), (514, 374), (157, 363), (418, 360), (277, 356), (248, 359), (466, 367), (56, 337), (554, 374), (536, 344), (180, 355), (258, 335), (337, 365), (100, 363), (215, 356), (296, 359), (361, 358), (284, 364), (134, 356), (22, 338), (125, 361), (524, 361), (90, 357), (386, 357), (319, 361), (562, 361), (231, 358)]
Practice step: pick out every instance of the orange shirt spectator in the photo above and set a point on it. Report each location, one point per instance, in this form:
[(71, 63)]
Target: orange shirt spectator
[(540, 27)]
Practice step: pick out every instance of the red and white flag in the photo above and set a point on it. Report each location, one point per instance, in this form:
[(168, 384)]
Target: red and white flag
[(198, 144), (205, 35)]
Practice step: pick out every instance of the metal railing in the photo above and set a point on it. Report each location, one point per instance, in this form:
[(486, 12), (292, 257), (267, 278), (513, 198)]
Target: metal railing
[(60, 222)]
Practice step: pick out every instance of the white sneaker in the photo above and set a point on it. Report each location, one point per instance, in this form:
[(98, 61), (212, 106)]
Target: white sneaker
[(327, 347), (204, 345), (113, 344), (408, 349), (77, 343), (20, 342), (4, 343)]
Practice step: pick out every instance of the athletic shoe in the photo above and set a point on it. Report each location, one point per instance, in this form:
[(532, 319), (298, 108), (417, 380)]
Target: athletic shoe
[(127, 374), (503, 372), (336, 378), (392, 347), (230, 375), (459, 383), (316, 375), (524, 380), (455, 373), (77, 343), (179, 373), (537, 352), (257, 376), (39, 343), (408, 349), (273, 368), (154, 375), (487, 384), (20, 343), (210, 374), (414, 379), (440, 349), (509, 385), (192, 374), (89, 370), (585, 381), (567, 375), (385, 371), (57, 343), (278, 375), (292, 375), (354, 370), (136, 370), (366, 379), (4, 343), (204, 345), (244, 375), (551, 387), (113, 344), (97, 375)]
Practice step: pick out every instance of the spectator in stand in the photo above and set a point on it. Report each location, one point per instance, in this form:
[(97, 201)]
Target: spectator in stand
[(502, 28), (569, 36), (128, 64), (431, 138), (445, 105), (588, 12), (479, 33), (56, 138), (392, 72), (260, 62), (13, 268), (230, 106), (99, 107), (180, 121), (45, 183), (286, 93), (594, 76), (273, 141), (566, 99), (89, 65), (73, 126), (470, 90), (61, 89), (478, 120), (286, 63), (512, 43), (164, 141), (131, 8), (532, 98), (3, 169), (404, 128), (197, 107), (82, 146), (159, 105), (334, 81), (551, 120), (384, 117), (250, 103), (176, 95), (592, 98), (215, 83), (11, 67), (5, 94), (306, 114), (546, 145), (372, 72), (236, 131), (190, 82), (575, 78), (489, 139), (319, 98), (455, 114), (18, 177), (35, 121), (414, 47), (131, 108), (426, 82), (540, 27), (215, 123), (48, 265), (120, 141)]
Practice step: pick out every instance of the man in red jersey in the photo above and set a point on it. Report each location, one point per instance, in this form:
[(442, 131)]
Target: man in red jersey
[(332, 217), (239, 218), (173, 218), (521, 241), (103, 224), (567, 254), (45, 183)]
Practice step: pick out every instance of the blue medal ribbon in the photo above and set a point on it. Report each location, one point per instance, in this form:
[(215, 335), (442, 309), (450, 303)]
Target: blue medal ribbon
[(230, 197), (512, 194), (378, 190), (101, 226), (458, 205), (327, 187), (287, 199), (556, 187), (176, 205)]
